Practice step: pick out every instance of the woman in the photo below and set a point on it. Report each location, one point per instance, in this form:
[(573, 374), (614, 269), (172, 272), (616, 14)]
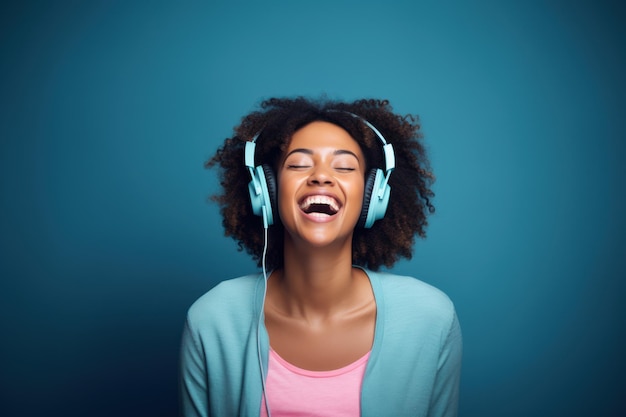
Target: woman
[(322, 194)]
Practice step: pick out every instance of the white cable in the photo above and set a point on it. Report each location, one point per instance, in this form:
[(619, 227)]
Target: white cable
[(258, 337)]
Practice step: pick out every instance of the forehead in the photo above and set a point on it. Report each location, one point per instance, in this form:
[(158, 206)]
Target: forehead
[(323, 135)]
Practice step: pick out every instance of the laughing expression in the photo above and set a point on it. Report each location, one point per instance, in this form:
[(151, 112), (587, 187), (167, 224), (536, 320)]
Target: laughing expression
[(320, 184)]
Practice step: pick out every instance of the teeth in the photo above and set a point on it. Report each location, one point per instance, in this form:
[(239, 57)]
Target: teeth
[(319, 200)]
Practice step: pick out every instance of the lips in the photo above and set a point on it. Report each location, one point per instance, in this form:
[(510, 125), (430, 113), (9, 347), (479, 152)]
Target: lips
[(320, 204)]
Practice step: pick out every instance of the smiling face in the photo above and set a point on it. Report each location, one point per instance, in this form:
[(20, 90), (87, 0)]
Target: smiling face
[(320, 185)]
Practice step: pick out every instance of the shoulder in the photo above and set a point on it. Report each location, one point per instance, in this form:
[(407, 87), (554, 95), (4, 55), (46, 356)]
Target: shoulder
[(400, 288), (228, 300), (413, 302)]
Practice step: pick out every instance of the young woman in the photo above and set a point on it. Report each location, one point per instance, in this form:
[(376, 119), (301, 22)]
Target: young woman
[(323, 194)]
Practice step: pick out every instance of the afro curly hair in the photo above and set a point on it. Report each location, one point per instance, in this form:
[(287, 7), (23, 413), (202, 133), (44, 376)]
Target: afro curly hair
[(390, 238)]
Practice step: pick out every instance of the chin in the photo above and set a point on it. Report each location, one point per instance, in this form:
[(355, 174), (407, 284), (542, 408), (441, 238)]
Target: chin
[(321, 241)]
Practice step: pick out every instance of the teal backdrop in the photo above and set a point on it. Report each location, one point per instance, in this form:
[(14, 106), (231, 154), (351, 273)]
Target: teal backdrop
[(109, 109)]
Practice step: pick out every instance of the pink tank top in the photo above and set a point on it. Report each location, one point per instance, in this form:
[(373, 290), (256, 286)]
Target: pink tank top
[(292, 391)]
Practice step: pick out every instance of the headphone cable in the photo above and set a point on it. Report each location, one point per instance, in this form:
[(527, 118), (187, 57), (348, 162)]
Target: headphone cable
[(261, 315)]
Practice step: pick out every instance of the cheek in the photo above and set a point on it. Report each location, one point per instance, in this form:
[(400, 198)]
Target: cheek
[(355, 193), (284, 196)]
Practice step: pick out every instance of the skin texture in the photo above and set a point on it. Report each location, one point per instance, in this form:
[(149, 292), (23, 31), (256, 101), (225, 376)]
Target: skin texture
[(320, 311), (322, 159)]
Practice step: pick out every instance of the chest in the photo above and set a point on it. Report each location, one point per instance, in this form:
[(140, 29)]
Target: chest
[(324, 345)]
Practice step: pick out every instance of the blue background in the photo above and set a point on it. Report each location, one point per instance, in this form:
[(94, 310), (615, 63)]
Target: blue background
[(109, 109)]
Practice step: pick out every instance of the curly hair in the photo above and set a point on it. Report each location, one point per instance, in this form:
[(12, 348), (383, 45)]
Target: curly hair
[(390, 238)]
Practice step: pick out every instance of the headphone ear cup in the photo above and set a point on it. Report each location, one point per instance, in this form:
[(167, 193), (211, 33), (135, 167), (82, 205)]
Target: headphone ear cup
[(261, 196), (375, 198), (370, 181), (272, 190)]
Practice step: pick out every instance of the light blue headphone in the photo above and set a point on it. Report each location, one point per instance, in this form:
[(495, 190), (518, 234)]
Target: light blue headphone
[(263, 187)]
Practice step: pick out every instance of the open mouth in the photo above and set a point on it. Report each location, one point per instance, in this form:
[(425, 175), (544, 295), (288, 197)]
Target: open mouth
[(320, 204)]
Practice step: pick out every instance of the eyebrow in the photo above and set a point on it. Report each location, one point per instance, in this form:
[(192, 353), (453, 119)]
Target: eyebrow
[(310, 152)]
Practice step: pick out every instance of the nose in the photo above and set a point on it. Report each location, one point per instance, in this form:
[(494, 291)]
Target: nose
[(320, 176)]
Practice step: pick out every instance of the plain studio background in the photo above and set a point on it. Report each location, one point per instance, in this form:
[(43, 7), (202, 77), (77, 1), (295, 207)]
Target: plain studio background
[(109, 109)]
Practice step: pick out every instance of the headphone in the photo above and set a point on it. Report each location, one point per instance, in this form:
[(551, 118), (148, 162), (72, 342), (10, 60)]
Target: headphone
[(264, 194)]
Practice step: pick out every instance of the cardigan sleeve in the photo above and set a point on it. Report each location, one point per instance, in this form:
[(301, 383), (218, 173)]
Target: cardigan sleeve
[(445, 397), (193, 383)]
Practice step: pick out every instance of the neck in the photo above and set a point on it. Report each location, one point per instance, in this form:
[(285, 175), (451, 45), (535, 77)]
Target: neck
[(316, 283)]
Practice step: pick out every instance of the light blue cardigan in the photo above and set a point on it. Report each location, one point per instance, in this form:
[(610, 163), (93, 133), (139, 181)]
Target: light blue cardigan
[(413, 369)]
